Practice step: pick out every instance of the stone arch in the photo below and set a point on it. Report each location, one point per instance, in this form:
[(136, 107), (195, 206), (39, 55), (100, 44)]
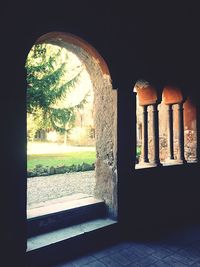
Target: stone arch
[(105, 113)]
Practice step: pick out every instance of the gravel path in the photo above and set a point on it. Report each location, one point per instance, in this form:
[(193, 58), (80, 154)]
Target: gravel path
[(44, 188)]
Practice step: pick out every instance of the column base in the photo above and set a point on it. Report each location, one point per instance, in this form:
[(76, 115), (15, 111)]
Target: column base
[(143, 165), (168, 162), (156, 164), (192, 160)]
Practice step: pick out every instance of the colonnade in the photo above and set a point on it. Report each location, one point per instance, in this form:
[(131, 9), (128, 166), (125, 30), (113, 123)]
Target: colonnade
[(149, 102)]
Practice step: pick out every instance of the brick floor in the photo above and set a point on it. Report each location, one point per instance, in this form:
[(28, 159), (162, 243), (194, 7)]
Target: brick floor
[(178, 249)]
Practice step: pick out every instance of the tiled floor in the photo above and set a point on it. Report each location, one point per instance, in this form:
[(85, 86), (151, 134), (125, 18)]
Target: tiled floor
[(179, 248)]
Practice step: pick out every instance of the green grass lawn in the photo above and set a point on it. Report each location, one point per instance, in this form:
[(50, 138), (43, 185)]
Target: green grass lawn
[(60, 159)]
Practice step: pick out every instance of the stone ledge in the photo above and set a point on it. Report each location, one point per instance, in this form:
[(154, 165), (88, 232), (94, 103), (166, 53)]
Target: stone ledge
[(163, 164), (70, 242), (63, 214), (63, 205), (144, 165), (59, 235)]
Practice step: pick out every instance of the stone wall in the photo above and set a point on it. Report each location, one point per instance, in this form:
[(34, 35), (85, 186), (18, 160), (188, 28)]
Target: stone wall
[(106, 145), (105, 122)]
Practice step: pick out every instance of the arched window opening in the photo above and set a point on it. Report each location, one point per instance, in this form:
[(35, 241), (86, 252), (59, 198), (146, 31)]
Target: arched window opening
[(179, 119), (147, 118), (169, 127)]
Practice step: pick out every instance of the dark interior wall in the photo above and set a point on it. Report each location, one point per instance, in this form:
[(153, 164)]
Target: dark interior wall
[(137, 40)]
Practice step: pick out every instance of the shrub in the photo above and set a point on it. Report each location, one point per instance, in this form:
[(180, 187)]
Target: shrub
[(138, 151), (40, 170)]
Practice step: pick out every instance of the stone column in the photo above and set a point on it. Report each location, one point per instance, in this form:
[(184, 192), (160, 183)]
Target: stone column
[(180, 156), (170, 131), (145, 134), (155, 128)]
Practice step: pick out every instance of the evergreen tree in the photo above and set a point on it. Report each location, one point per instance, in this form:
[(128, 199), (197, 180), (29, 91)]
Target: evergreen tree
[(50, 77)]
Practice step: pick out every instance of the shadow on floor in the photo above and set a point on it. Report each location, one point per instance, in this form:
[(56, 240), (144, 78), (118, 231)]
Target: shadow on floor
[(176, 246)]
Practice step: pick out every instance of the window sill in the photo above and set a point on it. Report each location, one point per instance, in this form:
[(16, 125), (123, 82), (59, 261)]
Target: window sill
[(164, 164)]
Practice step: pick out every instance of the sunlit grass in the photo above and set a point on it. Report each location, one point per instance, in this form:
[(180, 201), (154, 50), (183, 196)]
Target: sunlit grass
[(59, 159)]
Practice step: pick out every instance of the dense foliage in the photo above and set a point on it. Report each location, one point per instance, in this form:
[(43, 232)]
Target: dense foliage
[(50, 78)]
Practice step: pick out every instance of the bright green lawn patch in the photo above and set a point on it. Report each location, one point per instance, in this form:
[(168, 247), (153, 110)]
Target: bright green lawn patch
[(60, 159)]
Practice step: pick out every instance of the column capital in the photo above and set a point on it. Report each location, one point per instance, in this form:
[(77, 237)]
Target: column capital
[(147, 93)]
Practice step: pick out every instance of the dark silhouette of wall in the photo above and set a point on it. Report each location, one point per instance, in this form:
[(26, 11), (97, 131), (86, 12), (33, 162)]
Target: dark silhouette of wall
[(137, 40)]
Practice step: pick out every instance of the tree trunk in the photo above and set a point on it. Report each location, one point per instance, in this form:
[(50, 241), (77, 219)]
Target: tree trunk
[(65, 138)]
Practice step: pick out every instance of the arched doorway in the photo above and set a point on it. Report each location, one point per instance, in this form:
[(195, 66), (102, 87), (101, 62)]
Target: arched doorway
[(105, 114)]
